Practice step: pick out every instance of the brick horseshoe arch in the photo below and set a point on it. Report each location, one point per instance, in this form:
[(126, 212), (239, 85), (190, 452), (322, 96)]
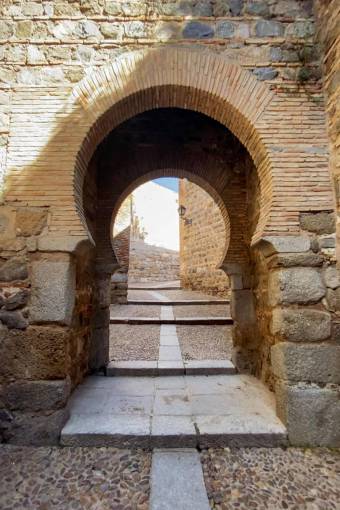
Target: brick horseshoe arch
[(205, 83), (289, 159)]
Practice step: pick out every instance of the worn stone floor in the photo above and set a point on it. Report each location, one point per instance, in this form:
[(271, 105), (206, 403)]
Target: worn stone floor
[(48, 478)]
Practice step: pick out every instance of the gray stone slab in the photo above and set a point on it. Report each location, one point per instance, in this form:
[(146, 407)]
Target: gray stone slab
[(172, 402), (121, 431), (247, 430), (141, 386), (170, 353), (173, 432), (53, 289), (126, 404), (168, 340), (139, 368), (168, 329), (207, 367), (177, 481), (170, 368), (165, 383)]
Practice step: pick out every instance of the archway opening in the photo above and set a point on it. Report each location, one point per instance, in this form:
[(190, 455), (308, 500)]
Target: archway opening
[(174, 142)]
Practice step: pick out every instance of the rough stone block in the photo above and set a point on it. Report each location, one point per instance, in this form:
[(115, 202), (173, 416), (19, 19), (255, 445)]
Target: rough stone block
[(285, 244), (332, 277), (30, 221), (319, 223), (332, 301), (7, 223), (38, 395), (311, 413), (196, 30), (295, 285), (242, 308), (302, 325), (13, 319), (39, 352), (265, 28), (13, 269), (53, 289), (308, 259), (41, 429), (17, 300), (306, 362)]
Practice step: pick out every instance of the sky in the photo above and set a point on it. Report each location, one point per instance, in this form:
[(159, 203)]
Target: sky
[(168, 182), (156, 205)]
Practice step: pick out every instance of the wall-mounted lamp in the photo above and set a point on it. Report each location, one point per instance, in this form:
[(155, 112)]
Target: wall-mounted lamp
[(181, 211)]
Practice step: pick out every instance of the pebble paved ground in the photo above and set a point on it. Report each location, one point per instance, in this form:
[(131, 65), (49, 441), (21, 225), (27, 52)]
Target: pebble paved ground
[(201, 311), (272, 478), (135, 311), (134, 342), (205, 342), (74, 478)]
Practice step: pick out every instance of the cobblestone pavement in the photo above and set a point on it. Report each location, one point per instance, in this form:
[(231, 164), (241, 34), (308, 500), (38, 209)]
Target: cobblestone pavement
[(201, 311), (272, 478), (205, 342), (135, 311), (136, 342), (74, 478)]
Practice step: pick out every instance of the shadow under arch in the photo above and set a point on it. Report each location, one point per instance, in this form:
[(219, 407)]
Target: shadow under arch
[(199, 181)]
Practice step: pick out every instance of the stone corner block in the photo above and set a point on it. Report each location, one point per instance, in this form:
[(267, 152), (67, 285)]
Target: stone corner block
[(301, 325), (302, 285), (56, 243), (271, 245), (53, 290), (317, 363), (310, 413)]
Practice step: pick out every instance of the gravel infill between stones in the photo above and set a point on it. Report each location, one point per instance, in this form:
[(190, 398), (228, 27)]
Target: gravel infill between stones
[(201, 311), (134, 342), (74, 478), (135, 311), (205, 342), (272, 478)]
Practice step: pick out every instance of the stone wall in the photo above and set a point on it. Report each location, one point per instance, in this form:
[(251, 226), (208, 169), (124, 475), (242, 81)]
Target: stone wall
[(252, 66), (203, 241), (328, 33), (152, 263)]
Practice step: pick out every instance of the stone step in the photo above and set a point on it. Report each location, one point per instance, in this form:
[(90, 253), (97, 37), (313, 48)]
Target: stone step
[(197, 321), (162, 287), (173, 412), (179, 302), (169, 368)]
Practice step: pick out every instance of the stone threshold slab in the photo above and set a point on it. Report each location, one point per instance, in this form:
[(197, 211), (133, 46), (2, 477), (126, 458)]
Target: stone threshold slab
[(169, 368), (195, 321), (179, 302), (190, 411)]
